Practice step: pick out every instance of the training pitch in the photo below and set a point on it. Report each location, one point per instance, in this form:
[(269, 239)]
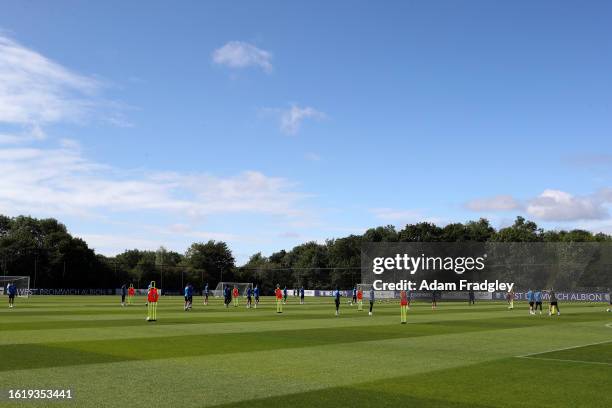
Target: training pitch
[(456, 356)]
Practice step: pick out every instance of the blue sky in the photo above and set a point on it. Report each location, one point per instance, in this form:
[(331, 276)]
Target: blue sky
[(267, 124)]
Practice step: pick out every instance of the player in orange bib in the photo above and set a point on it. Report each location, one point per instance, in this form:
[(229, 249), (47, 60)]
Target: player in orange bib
[(279, 299), (403, 306), (131, 293), (360, 300), (152, 298), (235, 296)]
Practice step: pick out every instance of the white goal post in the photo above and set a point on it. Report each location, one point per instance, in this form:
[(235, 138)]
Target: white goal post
[(242, 288), (21, 282)]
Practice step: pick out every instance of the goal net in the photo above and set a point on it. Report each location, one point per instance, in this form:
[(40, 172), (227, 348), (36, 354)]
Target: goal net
[(242, 288), (21, 282), (378, 294)]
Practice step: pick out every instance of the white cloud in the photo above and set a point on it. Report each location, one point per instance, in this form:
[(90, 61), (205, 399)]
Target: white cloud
[(35, 90), (596, 226), (239, 54), (551, 205), (292, 118), (495, 203), (556, 205), (62, 181)]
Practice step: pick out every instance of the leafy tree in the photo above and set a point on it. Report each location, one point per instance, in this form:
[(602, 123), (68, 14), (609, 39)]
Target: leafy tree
[(479, 231), (421, 232), (520, 231), (212, 259), (381, 234), (44, 250)]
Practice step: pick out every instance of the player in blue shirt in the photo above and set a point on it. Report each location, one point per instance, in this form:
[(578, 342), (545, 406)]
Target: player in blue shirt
[(530, 298), (336, 294), (354, 301), (537, 297), (227, 296), (249, 297), (11, 290), (206, 294), (123, 294), (371, 300), (285, 296), (302, 295), (188, 296), (256, 291)]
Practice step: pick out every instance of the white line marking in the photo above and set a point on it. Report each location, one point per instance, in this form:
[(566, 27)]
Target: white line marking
[(566, 348), (567, 361), (609, 325)]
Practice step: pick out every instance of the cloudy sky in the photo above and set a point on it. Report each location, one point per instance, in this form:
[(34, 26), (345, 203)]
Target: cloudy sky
[(145, 123)]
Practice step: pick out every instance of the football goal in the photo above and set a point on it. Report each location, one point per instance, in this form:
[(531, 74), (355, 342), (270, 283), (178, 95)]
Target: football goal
[(21, 282), (242, 288)]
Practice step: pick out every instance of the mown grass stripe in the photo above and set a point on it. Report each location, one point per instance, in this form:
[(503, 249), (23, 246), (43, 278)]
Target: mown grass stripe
[(197, 345), (497, 383)]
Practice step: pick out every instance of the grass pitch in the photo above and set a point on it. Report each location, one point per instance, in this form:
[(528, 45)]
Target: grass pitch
[(456, 356)]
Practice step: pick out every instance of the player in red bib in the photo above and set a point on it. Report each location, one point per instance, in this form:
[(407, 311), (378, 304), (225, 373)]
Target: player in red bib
[(279, 299), (131, 293), (403, 306), (360, 300), (152, 298), (235, 295)]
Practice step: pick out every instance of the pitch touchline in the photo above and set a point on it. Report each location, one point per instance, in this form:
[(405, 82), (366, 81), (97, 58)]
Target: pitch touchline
[(609, 325), (567, 361), (566, 348)]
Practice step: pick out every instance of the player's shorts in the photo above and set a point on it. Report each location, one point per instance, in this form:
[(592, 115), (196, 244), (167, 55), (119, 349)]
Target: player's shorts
[(337, 302), (11, 297), (553, 303), (190, 299), (206, 295), (122, 298), (257, 298), (302, 297), (249, 298), (539, 304), (531, 304), (354, 298), (186, 298)]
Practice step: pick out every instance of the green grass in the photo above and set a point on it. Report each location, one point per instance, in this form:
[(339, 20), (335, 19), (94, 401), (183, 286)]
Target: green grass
[(456, 356)]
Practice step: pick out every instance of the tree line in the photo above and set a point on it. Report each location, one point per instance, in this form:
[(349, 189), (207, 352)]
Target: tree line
[(44, 250)]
